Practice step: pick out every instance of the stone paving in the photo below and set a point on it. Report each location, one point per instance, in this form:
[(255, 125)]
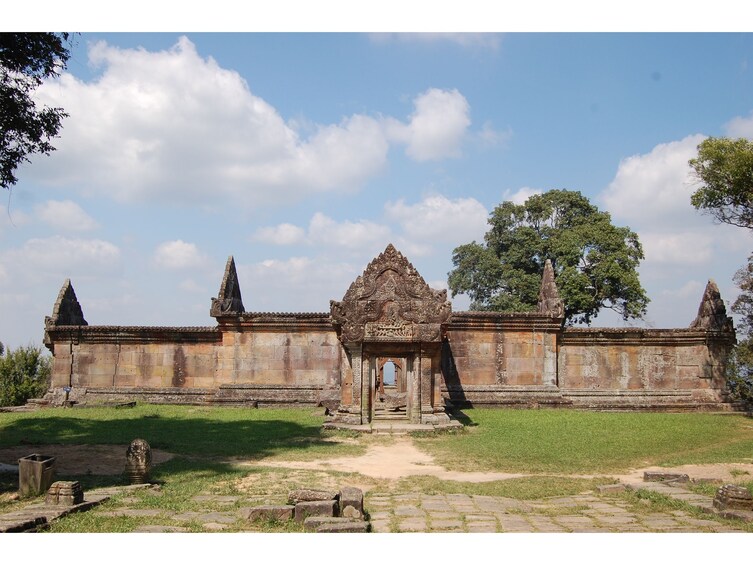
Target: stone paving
[(416, 512)]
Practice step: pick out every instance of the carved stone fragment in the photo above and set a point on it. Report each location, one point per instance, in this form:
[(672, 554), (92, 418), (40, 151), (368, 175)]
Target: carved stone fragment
[(67, 311), (549, 297), (65, 493), (712, 314), (228, 299), (138, 462), (732, 497)]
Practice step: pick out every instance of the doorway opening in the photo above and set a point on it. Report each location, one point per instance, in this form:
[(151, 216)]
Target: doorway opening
[(390, 398)]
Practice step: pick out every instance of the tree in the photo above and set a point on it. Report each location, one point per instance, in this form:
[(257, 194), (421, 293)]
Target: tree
[(26, 60), (594, 261), (740, 363), (24, 374), (725, 169)]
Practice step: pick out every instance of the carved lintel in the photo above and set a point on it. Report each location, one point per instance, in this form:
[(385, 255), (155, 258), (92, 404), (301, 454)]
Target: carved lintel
[(390, 301)]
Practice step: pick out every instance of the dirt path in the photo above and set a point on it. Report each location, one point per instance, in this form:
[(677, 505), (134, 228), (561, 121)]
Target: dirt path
[(393, 461), (401, 459)]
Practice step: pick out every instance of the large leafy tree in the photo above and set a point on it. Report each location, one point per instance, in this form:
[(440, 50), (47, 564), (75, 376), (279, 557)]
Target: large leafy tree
[(594, 261), (740, 368), (724, 168), (26, 60)]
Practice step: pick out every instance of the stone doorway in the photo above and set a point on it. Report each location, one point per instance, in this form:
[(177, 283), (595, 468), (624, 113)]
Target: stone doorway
[(390, 388), (391, 319)]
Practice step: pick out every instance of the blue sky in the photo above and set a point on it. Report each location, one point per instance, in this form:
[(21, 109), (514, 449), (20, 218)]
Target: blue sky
[(304, 155)]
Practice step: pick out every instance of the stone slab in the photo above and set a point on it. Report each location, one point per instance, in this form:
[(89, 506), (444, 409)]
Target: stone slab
[(351, 502), (315, 508), (279, 513), (310, 495)]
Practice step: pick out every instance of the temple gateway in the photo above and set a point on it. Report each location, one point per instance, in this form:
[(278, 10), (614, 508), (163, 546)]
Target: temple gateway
[(391, 349)]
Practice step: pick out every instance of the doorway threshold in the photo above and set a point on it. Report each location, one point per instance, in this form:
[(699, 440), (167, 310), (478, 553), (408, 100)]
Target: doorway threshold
[(394, 428)]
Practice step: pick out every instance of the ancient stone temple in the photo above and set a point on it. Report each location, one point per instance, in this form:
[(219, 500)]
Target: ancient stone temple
[(391, 349)]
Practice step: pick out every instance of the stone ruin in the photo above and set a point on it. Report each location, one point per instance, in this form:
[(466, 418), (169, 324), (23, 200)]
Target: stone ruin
[(389, 314), (138, 462), (319, 511)]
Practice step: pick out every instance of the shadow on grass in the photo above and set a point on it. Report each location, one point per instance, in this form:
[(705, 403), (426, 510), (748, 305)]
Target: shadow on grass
[(188, 436)]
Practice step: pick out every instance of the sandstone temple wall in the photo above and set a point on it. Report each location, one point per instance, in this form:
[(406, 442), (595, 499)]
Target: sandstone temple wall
[(449, 358)]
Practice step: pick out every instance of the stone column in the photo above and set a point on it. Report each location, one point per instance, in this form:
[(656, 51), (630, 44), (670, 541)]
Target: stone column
[(425, 378), (349, 411), (356, 355), (413, 383), (549, 378), (367, 377), (437, 403)]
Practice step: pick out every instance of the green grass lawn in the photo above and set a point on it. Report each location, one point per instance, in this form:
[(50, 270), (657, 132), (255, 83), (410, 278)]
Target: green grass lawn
[(187, 430), (206, 440), (570, 441)]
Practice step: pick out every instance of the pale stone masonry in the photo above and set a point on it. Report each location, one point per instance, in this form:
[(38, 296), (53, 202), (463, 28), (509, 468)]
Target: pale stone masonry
[(336, 359)]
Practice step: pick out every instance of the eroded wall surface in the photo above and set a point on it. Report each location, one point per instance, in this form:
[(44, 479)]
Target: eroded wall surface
[(487, 359)]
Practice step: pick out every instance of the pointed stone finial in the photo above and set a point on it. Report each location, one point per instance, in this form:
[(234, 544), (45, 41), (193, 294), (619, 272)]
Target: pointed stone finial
[(712, 315), (229, 299), (549, 297), (67, 311)]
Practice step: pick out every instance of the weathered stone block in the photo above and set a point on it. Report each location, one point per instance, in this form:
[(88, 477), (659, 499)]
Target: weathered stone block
[(308, 495), (351, 502), (65, 493), (315, 508), (732, 497), (335, 525), (659, 476), (280, 513)]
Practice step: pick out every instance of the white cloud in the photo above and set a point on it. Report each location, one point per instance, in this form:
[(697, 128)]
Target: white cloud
[(651, 194), (168, 123), (65, 215), (175, 126), (491, 137), (681, 248), (283, 234), (13, 218), (323, 231), (655, 186), (298, 284), (740, 127), (190, 285), (178, 255), (438, 219), (437, 126), (63, 257), (520, 196), (362, 234)]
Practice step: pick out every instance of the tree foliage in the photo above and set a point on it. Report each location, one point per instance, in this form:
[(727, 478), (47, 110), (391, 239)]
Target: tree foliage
[(595, 262), (26, 60), (740, 363), (725, 169), (24, 374)]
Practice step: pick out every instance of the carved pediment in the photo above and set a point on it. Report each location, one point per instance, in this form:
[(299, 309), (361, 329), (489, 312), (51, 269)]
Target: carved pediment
[(390, 301)]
